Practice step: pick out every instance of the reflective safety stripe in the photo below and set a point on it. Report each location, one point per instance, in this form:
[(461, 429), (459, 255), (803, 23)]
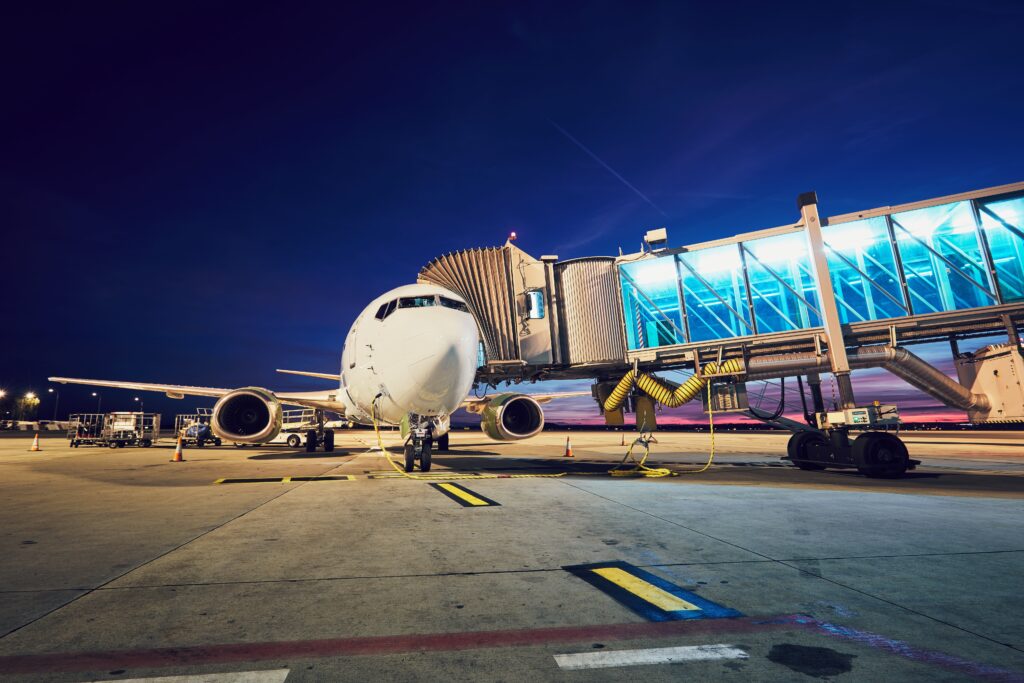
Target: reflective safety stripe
[(463, 494), (661, 655), (642, 589), (649, 595)]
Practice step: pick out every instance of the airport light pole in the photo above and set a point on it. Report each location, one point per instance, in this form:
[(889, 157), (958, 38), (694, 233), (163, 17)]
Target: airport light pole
[(99, 398), (56, 400), (28, 404), (142, 404)]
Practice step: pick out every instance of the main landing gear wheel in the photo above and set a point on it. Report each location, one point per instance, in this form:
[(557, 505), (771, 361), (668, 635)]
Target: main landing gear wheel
[(410, 457), (294, 440), (880, 454), (442, 444), (328, 440), (311, 440), (803, 446)]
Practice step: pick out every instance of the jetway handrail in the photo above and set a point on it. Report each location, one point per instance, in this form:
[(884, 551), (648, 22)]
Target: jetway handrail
[(897, 360)]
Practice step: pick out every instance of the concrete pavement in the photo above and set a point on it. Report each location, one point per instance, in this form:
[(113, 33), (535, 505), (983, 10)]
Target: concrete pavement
[(118, 564)]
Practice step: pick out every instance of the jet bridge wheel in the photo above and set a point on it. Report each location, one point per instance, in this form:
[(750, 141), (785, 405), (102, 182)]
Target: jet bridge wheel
[(880, 454), (804, 447)]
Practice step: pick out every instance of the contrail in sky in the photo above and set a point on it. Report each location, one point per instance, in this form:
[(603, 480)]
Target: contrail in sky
[(608, 168)]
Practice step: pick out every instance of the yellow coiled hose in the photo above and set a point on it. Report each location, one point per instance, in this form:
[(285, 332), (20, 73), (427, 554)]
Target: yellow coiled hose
[(684, 393)]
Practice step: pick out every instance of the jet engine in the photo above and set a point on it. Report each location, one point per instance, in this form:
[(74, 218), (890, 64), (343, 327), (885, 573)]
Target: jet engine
[(247, 415), (510, 417)]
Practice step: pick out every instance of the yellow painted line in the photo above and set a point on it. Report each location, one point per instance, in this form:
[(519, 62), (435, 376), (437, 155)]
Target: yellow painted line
[(646, 591), (286, 480), (219, 481), (468, 497)]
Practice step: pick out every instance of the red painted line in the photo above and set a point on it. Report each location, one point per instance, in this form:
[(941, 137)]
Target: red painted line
[(378, 645)]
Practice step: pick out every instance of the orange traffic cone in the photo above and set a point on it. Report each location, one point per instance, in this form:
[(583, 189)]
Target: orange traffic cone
[(177, 452), (35, 443), (568, 448)]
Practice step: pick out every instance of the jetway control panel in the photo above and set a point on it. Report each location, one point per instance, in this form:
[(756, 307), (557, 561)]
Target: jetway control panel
[(948, 268)]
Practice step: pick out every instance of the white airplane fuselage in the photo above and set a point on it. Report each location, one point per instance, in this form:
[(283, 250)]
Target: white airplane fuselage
[(412, 351)]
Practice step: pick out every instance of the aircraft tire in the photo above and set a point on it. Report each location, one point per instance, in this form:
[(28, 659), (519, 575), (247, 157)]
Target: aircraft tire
[(311, 439), (328, 440), (410, 457), (425, 460)]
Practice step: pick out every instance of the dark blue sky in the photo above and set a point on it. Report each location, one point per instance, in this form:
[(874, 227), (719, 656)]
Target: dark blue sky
[(202, 192)]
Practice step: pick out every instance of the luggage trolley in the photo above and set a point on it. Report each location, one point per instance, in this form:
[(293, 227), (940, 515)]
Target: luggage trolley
[(195, 429), (116, 430), (85, 429)]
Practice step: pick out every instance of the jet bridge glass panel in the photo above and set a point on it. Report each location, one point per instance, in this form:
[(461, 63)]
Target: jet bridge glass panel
[(942, 258), (1003, 223), (650, 300), (715, 293), (865, 276), (781, 283)]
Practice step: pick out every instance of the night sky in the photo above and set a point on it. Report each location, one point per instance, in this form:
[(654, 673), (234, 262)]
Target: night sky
[(198, 193)]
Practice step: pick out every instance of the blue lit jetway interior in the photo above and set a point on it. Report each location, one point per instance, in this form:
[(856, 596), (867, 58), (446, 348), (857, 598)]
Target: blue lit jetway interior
[(816, 296)]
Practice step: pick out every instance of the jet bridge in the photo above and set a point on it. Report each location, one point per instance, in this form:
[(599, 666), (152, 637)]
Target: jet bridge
[(820, 295)]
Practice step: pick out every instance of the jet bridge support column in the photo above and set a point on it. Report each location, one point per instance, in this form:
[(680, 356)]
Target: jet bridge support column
[(808, 205)]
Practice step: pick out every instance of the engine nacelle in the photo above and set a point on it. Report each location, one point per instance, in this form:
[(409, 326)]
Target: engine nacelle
[(247, 415), (510, 417)]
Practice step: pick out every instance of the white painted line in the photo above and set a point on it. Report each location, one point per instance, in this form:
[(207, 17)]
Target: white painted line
[(271, 676), (659, 655)]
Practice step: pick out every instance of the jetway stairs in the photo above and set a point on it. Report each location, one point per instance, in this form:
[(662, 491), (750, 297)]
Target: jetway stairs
[(820, 295)]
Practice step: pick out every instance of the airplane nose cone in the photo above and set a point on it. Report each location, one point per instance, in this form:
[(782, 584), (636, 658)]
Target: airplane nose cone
[(439, 367)]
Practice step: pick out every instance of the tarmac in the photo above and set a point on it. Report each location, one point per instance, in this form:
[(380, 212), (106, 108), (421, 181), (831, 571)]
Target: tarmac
[(117, 564)]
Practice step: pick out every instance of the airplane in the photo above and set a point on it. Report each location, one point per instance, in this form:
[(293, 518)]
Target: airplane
[(409, 360)]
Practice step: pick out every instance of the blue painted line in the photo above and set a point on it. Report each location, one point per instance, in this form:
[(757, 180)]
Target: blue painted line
[(707, 608)]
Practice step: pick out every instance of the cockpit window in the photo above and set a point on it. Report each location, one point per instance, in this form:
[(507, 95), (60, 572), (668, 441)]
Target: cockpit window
[(452, 303), (415, 301), (385, 309)]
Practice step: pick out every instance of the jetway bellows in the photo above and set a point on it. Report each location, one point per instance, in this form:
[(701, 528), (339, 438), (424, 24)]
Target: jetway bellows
[(483, 277), (536, 312)]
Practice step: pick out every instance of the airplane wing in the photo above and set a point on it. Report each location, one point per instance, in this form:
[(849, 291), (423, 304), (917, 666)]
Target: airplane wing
[(477, 405), (303, 373), (327, 400), (172, 390)]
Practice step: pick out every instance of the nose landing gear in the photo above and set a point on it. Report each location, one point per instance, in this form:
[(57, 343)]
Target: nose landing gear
[(419, 447)]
